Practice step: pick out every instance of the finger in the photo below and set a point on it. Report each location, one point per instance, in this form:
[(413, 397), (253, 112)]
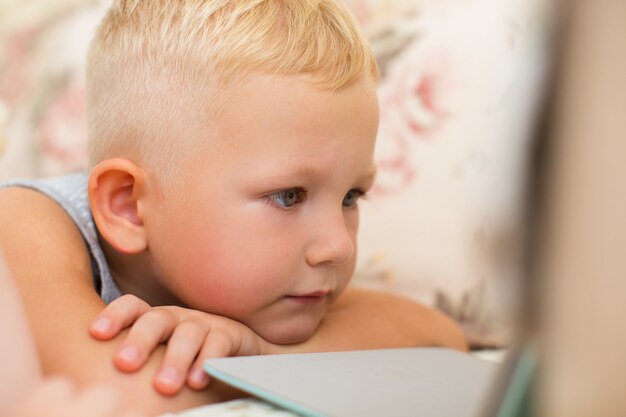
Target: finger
[(118, 315), (151, 329), (182, 349), (218, 344), (197, 378)]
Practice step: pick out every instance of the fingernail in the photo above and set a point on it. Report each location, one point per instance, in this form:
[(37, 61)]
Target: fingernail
[(169, 376), (101, 325), (198, 376), (129, 354)]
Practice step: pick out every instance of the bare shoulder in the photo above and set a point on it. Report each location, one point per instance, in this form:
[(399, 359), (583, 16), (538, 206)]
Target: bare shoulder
[(39, 239), (418, 324), (50, 264)]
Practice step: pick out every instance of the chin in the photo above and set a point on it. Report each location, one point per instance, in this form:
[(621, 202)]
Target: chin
[(288, 333)]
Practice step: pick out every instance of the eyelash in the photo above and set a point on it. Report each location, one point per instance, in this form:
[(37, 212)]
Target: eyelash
[(360, 194), (301, 196), (272, 197)]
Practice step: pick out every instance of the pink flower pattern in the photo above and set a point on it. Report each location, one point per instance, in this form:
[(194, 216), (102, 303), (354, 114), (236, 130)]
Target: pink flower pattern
[(63, 131), (420, 109)]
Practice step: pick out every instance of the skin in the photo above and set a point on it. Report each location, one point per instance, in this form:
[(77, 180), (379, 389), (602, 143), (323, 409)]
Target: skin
[(224, 241), (23, 390), (227, 244), (19, 364), (53, 276)]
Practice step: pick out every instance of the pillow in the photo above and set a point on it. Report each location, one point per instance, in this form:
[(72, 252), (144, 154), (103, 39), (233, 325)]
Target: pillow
[(42, 56), (443, 222), (459, 82)]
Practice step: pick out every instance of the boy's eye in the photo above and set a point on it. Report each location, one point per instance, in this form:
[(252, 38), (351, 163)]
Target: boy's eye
[(352, 197), (287, 198)]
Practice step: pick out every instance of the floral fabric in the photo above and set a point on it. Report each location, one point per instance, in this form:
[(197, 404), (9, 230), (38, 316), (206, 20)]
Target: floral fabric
[(460, 80)]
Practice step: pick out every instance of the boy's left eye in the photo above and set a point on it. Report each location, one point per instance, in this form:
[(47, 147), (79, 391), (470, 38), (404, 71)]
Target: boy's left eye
[(352, 197), (290, 197), (287, 198)]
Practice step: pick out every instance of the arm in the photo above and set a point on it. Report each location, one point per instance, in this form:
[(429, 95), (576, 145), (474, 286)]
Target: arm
[(359, 320), (363, 319), (52, 271), (19, 363), (23, 392)]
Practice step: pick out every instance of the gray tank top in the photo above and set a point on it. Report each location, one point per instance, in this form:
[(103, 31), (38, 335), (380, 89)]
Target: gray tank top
[(70, 192)]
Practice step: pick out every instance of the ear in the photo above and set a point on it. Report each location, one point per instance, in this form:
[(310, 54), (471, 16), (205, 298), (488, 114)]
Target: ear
[(116, 188)]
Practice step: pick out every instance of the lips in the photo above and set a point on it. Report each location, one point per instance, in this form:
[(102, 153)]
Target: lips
[(309, 298), (320, 293)]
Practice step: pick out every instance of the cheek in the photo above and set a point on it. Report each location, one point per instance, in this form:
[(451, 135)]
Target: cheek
[(232, 268), (348, 271), (352, 225)]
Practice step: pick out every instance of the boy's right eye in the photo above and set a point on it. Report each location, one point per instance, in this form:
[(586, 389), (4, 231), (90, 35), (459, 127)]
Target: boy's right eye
[(287, 198)]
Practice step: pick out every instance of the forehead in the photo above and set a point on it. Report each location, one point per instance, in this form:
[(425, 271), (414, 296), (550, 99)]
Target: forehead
[(288, 120), (284, 107)]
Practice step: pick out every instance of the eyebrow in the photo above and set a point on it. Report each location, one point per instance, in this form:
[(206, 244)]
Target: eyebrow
[(370, 176), (308, 170), (315, 171)]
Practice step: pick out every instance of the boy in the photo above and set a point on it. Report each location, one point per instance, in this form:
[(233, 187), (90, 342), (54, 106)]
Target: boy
[(229, 144)]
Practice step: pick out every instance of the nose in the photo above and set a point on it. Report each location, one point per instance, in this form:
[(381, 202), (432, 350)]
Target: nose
[(333, 243)]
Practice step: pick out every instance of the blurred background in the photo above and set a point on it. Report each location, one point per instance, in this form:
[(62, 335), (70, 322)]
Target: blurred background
[(463, 83), (460, 86)]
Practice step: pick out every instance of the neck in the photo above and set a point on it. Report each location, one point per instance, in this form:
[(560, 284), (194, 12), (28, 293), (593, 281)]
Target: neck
[(134, 274)]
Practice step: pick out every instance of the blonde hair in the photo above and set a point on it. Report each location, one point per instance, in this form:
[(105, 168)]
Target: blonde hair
[(154, 64)]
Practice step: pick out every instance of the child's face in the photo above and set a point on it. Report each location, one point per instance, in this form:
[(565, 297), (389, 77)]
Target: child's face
[(263, 229)]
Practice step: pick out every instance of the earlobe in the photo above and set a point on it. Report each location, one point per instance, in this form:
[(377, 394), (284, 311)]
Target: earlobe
[(116, 188)]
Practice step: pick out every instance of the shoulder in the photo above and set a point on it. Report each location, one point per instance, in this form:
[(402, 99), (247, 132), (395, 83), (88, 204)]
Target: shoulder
[(50, 264), (26, 211), (424, 325), (38, 235)]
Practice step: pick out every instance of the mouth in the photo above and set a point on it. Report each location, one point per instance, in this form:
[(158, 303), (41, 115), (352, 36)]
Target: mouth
[(309, 298)]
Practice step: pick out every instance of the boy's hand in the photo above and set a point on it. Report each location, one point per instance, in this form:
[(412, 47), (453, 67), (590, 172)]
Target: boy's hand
[(192, 336)]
